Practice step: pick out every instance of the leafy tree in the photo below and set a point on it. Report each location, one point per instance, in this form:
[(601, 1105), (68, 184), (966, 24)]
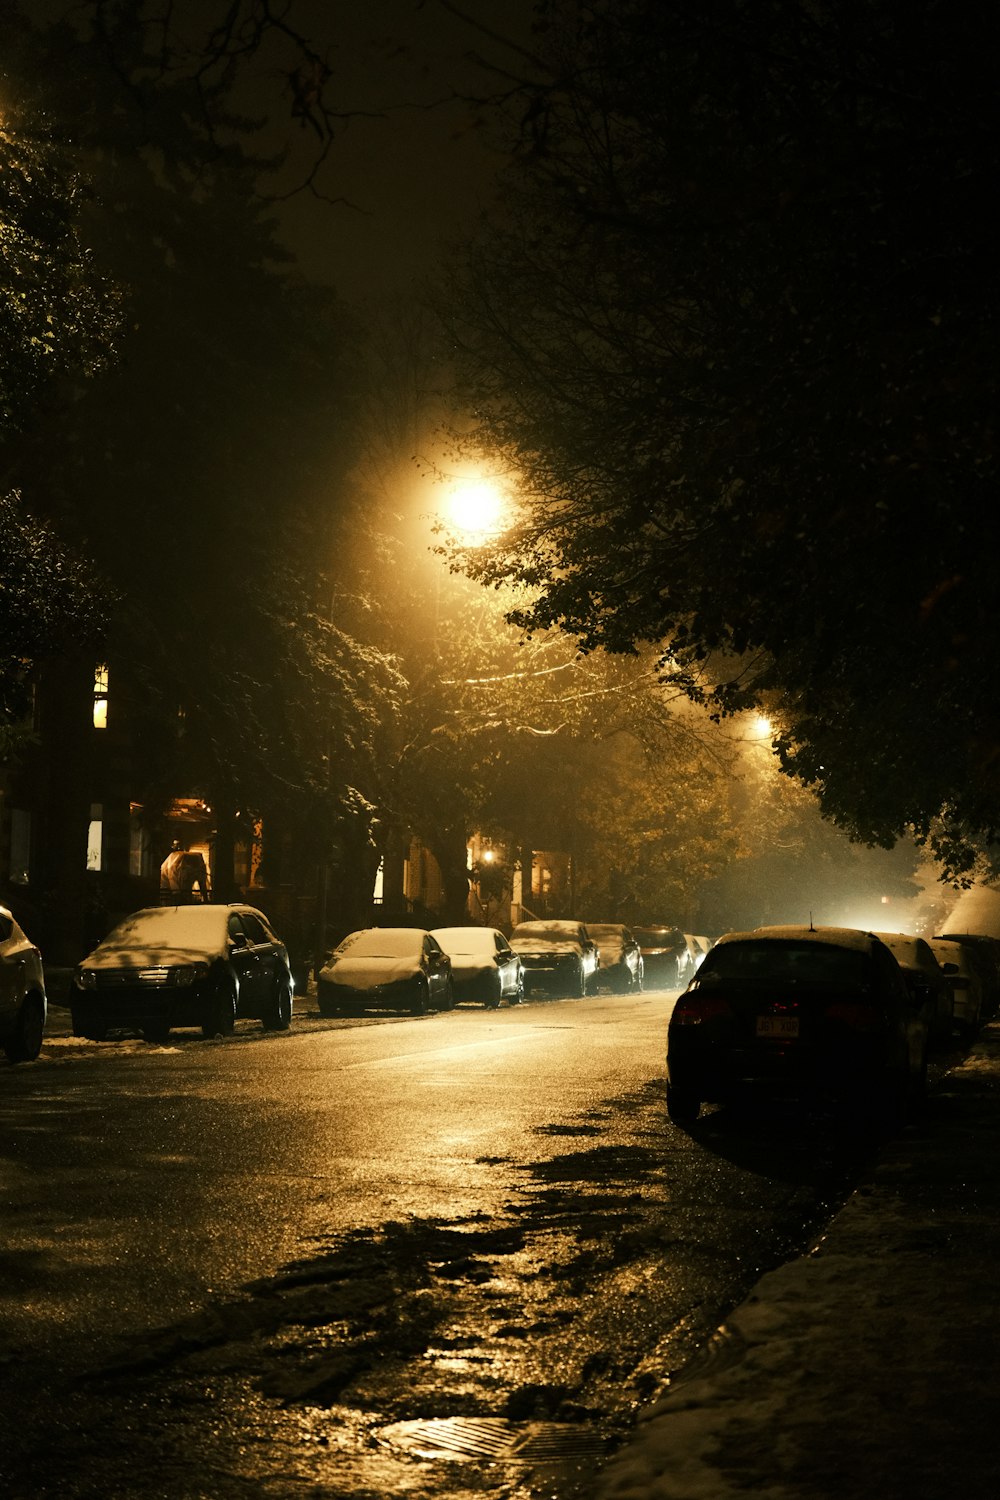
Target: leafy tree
[(58, 322), (735, 333), (206, 469)]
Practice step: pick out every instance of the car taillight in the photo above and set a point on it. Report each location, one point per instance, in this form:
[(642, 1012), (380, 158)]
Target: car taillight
[(855, 1015), (694, 1009)]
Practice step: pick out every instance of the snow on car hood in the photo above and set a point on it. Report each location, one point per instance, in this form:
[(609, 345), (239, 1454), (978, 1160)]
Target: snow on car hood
[(470, 966), (129, 957), (368, 970)]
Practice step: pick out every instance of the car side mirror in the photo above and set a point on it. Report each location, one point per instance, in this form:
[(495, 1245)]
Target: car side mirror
[(949, 968), (239, 940)]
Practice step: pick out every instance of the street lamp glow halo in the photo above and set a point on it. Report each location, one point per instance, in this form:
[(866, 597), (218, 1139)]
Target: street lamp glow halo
[(475, 509)]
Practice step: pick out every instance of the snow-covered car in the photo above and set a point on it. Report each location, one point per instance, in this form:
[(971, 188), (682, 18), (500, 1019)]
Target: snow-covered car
[(23, 1004), (403, 968), (484, 967), (927, 980), (621, 965), (665, 955), (967, 980), (697, 948), (557, 956), (168, 966)]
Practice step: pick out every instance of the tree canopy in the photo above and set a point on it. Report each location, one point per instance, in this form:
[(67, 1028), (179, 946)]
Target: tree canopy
[(736, 336), (204, 469)]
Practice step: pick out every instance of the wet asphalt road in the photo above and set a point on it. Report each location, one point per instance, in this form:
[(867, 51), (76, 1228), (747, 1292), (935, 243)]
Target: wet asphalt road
[(436, 1256)]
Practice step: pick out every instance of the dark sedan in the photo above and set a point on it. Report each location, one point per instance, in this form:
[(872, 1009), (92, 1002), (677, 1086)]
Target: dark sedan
[(621, 965), (172, 966), (484, 967), (818, 1012), (665, 956), (557, 956), (400, 968)]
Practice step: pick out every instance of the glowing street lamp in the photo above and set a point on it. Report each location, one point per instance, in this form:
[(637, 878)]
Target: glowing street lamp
[(475, 509)]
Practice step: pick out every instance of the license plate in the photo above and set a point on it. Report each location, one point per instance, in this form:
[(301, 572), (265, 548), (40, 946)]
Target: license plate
[(778, 1026)]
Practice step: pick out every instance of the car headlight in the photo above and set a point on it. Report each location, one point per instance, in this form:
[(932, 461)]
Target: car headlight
[(86, 979), (189, 974)]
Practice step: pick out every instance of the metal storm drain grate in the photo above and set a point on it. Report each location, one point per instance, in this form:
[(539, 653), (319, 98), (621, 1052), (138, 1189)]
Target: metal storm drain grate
[(496, 1439)]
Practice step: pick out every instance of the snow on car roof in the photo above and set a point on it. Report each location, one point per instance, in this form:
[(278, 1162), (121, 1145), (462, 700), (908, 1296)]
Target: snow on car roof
[(841, 937), (539, 929), (382, 942), (465, 939)]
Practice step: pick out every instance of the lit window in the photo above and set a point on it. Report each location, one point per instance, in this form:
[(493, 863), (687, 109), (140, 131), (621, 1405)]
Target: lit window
[(95, 837), (101, 696)]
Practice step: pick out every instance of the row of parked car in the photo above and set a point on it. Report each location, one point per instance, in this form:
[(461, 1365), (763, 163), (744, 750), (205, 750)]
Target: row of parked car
[(440, 967), (830, 1015), (206, 965)]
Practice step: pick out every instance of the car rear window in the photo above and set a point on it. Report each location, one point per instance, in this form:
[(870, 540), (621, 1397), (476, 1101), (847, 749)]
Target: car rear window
[(465, 940), (812, 963), (384, 942)]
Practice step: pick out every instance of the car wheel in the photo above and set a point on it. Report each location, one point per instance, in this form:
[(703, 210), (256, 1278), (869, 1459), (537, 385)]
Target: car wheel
[(640, 979), (90, 1030), (420, 999), (683, 1105), (581, 982), (220, 1019), (26, 1042), (518, 994), (156, 1031), (492, 1002), (448, 998), (327, 1003), (278, 1016)]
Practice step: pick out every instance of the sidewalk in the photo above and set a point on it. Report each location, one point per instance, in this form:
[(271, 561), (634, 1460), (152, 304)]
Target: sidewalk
[(865, 1370)]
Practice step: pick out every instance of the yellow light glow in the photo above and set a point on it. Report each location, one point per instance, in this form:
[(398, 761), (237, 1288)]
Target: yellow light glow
[(475, 508), (762, 725)]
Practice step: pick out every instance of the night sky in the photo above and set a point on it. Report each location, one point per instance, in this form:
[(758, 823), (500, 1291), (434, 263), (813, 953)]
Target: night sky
[(418, 167)]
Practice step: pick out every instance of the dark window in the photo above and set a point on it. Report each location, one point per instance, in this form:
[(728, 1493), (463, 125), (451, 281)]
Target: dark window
[(255, 928), (236, 928), (813, 963)]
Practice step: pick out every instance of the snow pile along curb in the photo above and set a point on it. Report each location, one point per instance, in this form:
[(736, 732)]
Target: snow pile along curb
[(864, 1369)]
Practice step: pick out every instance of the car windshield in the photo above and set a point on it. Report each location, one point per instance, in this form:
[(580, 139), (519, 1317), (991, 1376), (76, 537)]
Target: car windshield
[(383, 942), (463, 941), (169, 927), (659, 937), (813, 963)]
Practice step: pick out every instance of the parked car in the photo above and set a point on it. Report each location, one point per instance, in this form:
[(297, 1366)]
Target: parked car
[(987, 951), (620, 962), (484, 967), (697, 947), (821, 1012), (170, 966), (968, 982), (23, 1003), (665, 956), (557, 956), (404, 968), (929, 981)]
